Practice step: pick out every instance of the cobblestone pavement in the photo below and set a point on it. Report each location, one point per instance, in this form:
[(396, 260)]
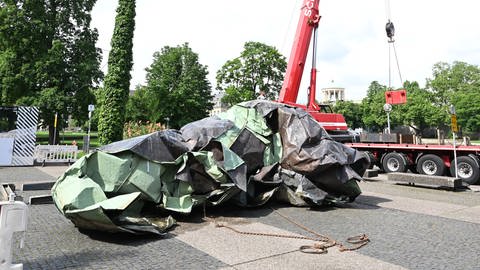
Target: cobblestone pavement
[(52, 242), (409, 228)]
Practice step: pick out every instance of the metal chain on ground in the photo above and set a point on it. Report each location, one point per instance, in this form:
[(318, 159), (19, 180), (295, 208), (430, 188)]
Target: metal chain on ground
[(359, 240), (223, 225), (319, 247), (323, 243)]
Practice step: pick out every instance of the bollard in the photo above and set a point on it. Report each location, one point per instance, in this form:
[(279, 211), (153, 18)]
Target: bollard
[(13, 218)]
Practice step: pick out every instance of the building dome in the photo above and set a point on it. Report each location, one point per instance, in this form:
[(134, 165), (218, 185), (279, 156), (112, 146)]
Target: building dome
[(333, 94)]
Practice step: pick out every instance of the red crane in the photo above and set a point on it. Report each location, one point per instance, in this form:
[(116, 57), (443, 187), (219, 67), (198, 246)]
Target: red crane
[(390, 152), (307, 26)]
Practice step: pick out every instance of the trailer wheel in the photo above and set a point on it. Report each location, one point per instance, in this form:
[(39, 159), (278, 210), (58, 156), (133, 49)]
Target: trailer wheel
[(468, 169), (394, 162), (430, 165)]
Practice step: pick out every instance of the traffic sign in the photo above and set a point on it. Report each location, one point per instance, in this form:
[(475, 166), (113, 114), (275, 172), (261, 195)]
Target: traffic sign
[(454, 123)]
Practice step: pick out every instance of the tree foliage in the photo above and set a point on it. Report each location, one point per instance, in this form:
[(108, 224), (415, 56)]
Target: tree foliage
[(420, 112), (48, 56), (450, 79), (351, 111), (467, 106), (458, 84), (373, 116), (138, 105), (452, 84), (177, 90), (117, 81), (455, 84), (259, 68)]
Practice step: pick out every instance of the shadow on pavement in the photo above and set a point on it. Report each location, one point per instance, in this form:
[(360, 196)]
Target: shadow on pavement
[(368, 202), (126, 239), (228, 212), (235, 214)]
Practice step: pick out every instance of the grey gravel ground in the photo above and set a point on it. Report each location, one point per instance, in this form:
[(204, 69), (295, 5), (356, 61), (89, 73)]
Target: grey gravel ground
[(400, 238)]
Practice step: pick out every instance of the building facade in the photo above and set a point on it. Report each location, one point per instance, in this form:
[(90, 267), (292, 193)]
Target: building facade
[(333, 94), (218, 105)]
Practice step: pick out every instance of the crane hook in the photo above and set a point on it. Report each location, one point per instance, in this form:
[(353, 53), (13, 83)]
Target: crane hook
[(390, 31)]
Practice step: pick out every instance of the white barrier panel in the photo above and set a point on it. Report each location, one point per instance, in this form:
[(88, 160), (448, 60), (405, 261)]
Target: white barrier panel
[(13, 218), (56, 153), (6, 148)]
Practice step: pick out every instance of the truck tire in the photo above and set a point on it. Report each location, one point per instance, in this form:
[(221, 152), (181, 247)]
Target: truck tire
[(430, 164), (468, 169), (394, 162)]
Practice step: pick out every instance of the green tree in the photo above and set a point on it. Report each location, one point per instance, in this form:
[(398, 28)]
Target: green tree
[(420, 112), (449, 79), (177, 89), (138, 105), (458, 84), (48, 57), (117, 81), (373, 115), (259, 68), (467, 106), (351, 111)]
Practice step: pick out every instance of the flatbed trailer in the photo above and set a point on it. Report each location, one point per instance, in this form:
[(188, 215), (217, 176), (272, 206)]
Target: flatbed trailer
[(428, 159)]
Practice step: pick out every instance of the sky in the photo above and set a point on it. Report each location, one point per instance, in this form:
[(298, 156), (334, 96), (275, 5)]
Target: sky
[(352, 46)]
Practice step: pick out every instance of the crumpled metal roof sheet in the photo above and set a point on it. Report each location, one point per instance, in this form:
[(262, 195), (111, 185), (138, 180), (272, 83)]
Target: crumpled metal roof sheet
[(247, 155)]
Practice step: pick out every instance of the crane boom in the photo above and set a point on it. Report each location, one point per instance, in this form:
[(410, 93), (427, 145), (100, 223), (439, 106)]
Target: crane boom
[(308, 20), (307, 26)]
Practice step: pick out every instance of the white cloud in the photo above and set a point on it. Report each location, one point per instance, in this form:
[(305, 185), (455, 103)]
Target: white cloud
[(352, 45)]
